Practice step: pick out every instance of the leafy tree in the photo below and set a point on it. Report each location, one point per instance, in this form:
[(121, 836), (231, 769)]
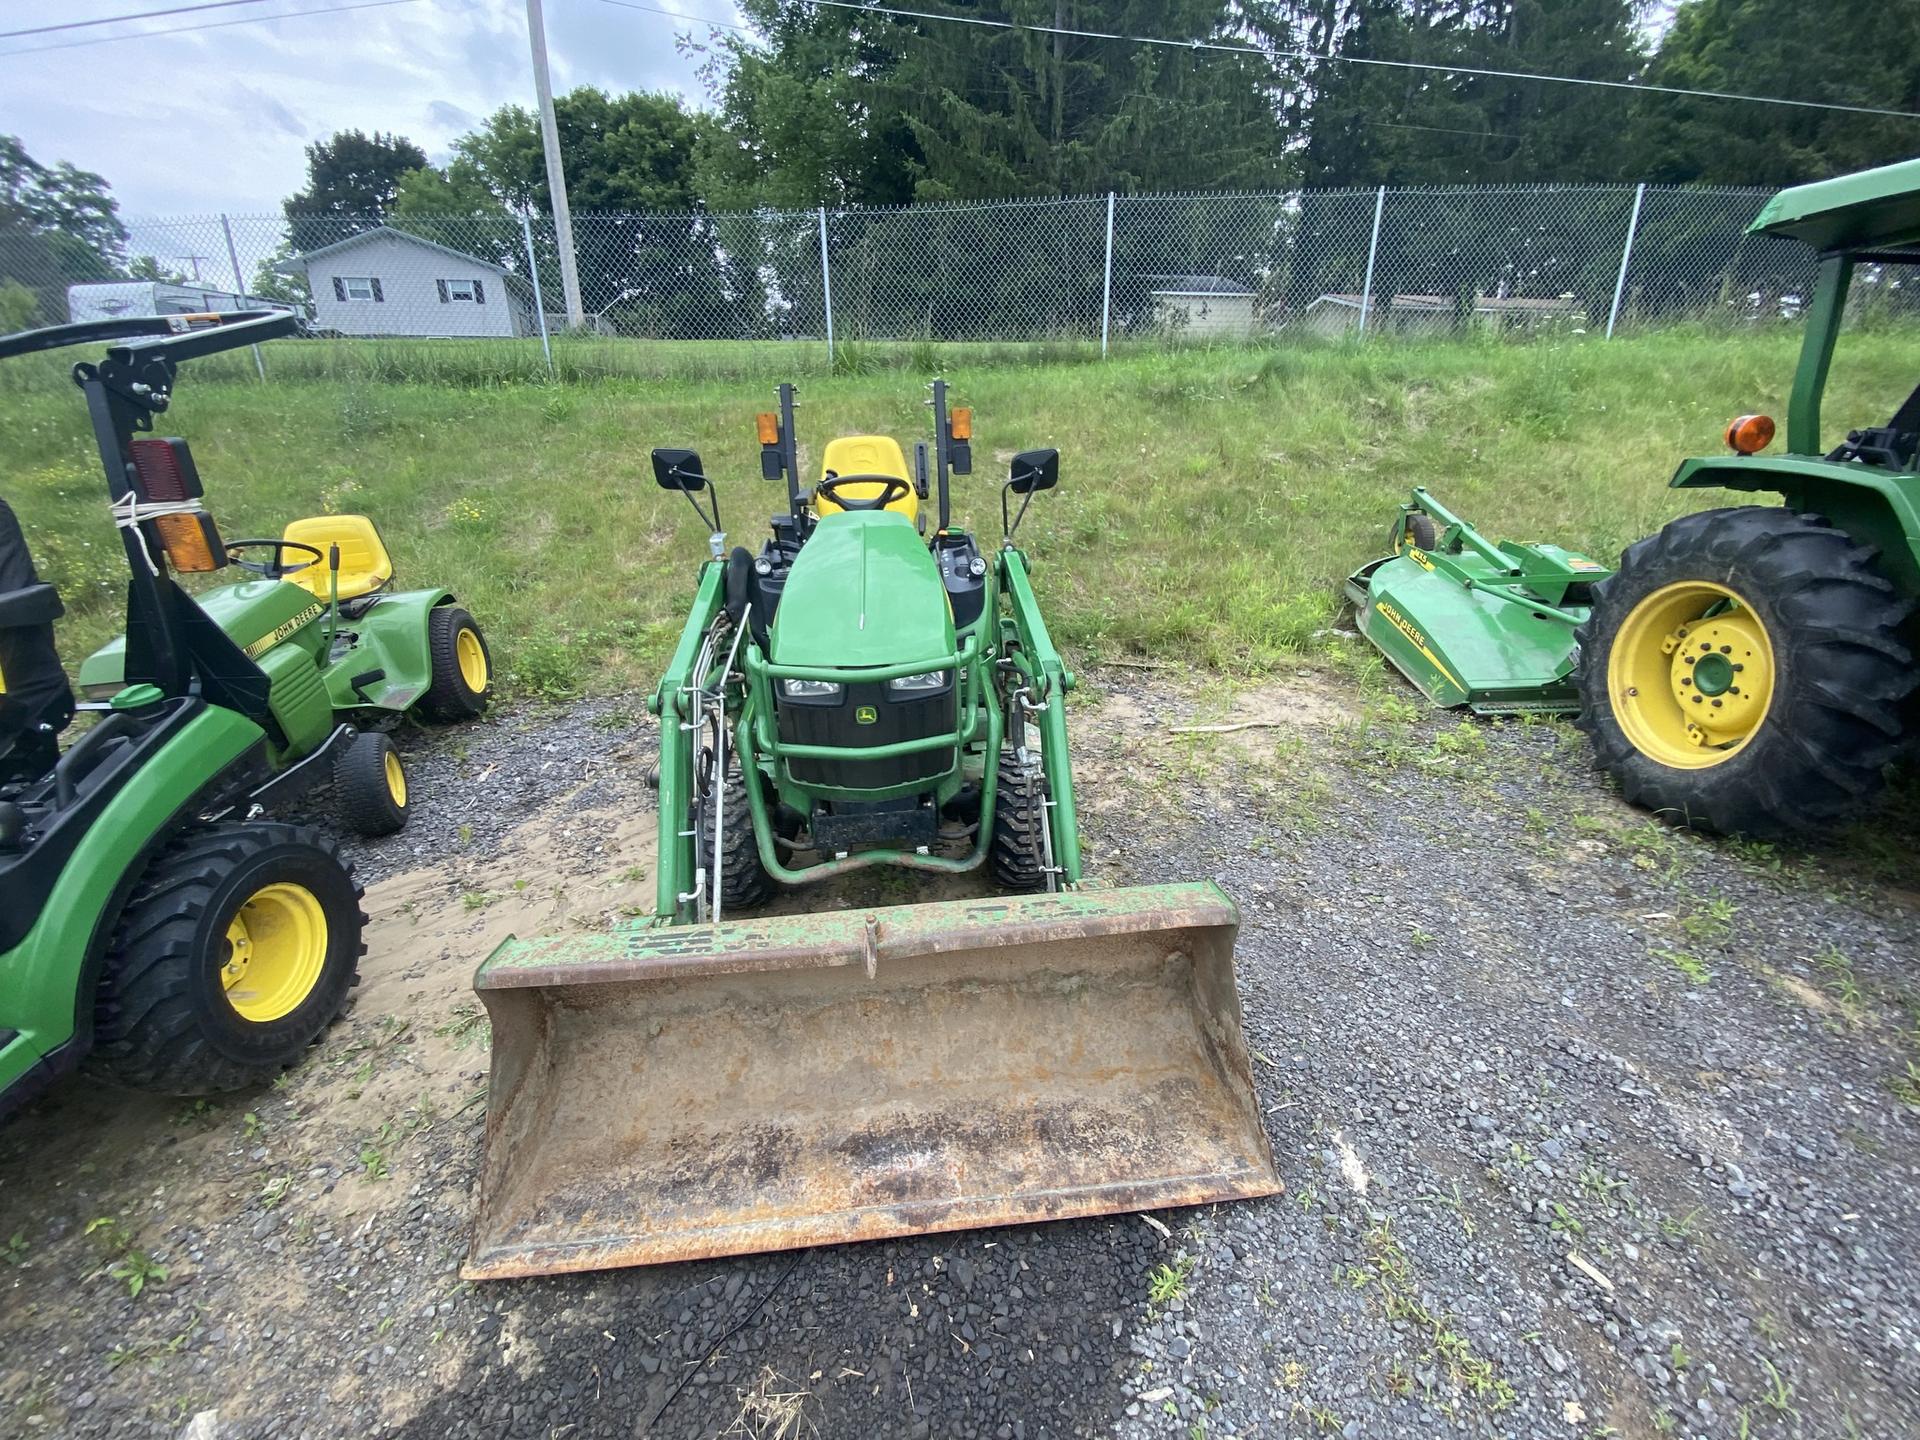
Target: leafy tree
[(59, 226), (1856, 52), (148, 267), (270, 282), (352, 179)]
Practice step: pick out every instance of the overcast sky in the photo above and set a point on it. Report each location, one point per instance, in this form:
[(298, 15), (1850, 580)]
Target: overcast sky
[(199, 122)]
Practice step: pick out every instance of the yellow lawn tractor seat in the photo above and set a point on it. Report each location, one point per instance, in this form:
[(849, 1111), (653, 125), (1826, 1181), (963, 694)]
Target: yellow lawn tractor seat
[(866, 455), (365, 566)]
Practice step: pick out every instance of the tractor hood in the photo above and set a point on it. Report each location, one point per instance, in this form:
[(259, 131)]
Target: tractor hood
[(256, 614), (864, 590)]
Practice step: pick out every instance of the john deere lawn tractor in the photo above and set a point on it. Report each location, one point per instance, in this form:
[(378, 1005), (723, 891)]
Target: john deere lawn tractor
[(871, 689), (150, 926), (1748, 669)]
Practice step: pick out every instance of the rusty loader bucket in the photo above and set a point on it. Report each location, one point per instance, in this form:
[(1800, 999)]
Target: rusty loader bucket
[(679, 1093)]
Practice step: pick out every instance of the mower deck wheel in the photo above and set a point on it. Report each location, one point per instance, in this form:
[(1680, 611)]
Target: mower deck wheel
[(238, 948), (370, 785), (1745, 671), (462, 679)]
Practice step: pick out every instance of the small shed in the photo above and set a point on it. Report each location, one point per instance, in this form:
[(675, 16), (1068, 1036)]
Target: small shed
[(384, 281), (1335, 314), (1202, 306)]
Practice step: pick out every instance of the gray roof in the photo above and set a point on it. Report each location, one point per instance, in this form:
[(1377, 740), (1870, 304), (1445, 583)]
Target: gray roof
[(300, 260), (1196, 285)]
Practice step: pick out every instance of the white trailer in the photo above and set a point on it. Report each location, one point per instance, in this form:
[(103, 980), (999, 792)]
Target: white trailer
[(117, 299)]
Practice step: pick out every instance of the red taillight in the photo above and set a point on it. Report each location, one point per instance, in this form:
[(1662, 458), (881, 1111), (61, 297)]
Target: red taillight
[(165, 470)]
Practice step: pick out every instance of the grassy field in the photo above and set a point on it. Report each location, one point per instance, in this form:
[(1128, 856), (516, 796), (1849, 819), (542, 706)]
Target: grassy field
[(1209, 506)]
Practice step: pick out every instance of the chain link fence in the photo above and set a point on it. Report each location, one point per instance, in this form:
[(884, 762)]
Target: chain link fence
[(1112, 271)]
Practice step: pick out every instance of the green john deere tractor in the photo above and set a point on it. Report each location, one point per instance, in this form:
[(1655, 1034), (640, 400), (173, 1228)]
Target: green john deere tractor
[(1748, 669), (872, 689), (151, 927)]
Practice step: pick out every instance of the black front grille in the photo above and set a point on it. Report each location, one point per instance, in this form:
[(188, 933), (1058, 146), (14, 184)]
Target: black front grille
[(895, 717)]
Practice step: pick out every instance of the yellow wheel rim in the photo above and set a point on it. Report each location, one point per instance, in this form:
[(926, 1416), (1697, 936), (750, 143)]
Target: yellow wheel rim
[(277, 947), (1691, 675), (473, 660), (396, 780)]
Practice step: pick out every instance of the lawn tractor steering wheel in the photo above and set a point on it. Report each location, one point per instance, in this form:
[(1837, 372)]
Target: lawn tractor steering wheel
[(276, 568), (894, 488)]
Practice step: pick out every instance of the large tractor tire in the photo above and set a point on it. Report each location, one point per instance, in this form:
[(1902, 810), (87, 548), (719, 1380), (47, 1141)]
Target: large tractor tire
[(1746, 671), (462, 678), (238, 948), (1018, 858)]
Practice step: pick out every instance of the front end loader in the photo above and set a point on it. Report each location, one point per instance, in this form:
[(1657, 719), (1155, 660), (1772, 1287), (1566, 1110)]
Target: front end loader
[(869, 690)]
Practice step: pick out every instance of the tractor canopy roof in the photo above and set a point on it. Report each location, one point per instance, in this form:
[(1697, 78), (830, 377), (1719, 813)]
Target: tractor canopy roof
[(1870, 210)]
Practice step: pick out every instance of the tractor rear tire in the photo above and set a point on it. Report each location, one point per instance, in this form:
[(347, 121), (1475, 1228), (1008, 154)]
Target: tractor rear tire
[(370, 785), (1815, 632), (744, 882), (238, 948), (462, 677), (1018, 859)]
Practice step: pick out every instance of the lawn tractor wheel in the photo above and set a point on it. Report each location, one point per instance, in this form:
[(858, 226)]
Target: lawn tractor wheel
[(1745, 671), (744, 882), (237, 950), (1019, 815), (370, 785), (1420, 532), (462, 666)]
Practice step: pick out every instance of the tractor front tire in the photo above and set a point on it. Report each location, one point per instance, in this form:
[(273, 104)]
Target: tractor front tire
[(1018, 859), (462, 675), (237, 949), (1746, 671), (744, 882), (370, 785)]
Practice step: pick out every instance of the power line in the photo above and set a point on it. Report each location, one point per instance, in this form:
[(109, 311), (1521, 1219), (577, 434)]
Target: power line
[(1255, 50), (676, 15), (211, 25), (116, 19)]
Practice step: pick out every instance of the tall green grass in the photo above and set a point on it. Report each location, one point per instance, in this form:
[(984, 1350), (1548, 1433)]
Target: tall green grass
[(1210, 503)]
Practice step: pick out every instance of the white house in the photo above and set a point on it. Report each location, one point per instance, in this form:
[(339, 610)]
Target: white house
[(1202, 306), (386, 282)]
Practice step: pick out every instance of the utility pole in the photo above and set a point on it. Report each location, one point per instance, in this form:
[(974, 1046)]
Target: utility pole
[(556, 175)]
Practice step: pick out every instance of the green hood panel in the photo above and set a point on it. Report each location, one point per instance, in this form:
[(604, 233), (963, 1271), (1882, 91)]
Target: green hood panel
[(256, 614), (865, 590)]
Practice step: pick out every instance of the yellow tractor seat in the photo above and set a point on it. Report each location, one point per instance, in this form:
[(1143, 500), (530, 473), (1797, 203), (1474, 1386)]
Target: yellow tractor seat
[(866, 455), (365, 565)]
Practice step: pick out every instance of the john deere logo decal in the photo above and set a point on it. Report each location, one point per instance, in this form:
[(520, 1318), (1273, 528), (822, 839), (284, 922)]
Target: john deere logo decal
[(865, 715)]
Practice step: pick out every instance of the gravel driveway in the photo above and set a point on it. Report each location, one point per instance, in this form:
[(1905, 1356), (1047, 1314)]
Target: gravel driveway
[(1587, 1128)]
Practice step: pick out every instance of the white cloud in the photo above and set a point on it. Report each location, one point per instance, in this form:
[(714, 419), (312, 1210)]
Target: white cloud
[(198, 123)]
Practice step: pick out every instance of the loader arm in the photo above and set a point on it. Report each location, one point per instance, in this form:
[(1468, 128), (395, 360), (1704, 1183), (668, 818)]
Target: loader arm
[(1048, 677), (676, 863)]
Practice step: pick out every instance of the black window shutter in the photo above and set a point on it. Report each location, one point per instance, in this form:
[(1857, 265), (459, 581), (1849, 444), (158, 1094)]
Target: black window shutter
[(376, 291), (479, 293), (339, 288), (443, 290)]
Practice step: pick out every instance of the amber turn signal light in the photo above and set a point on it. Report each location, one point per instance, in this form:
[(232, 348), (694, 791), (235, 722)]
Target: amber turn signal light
[(769, 425), (1750, 434)]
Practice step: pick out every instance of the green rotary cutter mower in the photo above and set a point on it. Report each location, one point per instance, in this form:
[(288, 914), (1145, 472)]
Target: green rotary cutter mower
[(871, 689), (1748, 669)]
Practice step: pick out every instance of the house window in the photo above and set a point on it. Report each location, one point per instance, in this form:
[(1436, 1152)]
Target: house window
[(356, 287), (472, 290)]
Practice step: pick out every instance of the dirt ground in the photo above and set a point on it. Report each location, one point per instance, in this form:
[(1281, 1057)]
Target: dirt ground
[(1587, 1126)]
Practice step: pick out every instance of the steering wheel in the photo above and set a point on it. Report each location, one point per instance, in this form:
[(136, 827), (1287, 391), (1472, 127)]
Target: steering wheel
[(893, 488), (276, 568)]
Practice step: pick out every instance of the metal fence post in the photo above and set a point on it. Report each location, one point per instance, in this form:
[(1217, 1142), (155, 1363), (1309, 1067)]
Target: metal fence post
[(1106, 288), (539, 301), (1373, 252), (826, 283), (240, 289), (1626, 257)]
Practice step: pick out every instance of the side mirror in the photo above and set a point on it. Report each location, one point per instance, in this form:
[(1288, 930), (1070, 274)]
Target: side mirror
[(1034, 470), (679, 470)]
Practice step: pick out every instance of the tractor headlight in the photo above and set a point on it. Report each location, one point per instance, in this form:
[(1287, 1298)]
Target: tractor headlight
[(924, 683), (810, 689), (977, 567)]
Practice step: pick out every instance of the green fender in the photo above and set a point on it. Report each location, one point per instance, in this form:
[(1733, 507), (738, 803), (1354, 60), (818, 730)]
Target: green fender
[(393, 637), (1876, 507), (46, 981)]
